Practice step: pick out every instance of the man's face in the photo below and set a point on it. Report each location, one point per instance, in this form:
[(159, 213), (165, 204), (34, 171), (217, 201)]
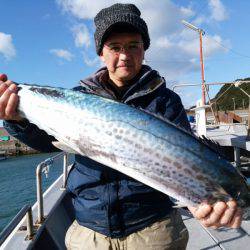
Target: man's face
[(123, 54)]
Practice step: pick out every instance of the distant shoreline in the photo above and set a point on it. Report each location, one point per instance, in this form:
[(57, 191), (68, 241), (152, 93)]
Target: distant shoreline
[(20, 153), (15, 148)]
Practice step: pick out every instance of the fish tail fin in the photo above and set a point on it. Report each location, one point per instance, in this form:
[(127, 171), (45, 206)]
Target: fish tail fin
[(246, 214), (246, 206)]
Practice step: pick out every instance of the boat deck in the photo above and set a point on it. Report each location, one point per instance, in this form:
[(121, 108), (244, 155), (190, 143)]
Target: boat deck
[(201, 238), (235, 135), (59, 213)]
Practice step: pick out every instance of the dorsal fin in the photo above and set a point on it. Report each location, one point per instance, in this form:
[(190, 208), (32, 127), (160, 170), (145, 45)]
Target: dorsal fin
[(214, 146)]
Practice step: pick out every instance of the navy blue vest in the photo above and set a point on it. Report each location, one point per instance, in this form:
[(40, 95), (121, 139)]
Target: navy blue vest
[(110, 202)]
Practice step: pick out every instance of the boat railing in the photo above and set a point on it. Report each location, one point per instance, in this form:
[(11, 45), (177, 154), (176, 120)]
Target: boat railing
[(42, 167), (26, 210)]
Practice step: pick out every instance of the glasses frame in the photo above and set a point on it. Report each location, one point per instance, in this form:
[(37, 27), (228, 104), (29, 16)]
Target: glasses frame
[(124, 47)]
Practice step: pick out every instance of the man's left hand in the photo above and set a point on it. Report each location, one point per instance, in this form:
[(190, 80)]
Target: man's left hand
[(220, 214)]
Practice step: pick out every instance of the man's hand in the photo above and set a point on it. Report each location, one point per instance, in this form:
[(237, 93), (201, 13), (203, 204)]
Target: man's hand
[(220, 214), (8, 100)]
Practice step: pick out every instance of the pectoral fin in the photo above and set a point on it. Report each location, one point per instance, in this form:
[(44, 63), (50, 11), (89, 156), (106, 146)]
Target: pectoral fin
[(64, 147), (178, 204)]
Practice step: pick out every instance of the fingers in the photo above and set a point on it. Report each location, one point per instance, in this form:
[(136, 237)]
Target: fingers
[(237, 219), (8, 101), (229, 213), (10, 111), (213, 219), (4, 86), (201, 211), (219, 215), (8, 83)]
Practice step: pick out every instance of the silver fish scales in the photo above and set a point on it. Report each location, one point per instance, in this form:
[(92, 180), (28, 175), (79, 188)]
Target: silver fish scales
[(135, 143)]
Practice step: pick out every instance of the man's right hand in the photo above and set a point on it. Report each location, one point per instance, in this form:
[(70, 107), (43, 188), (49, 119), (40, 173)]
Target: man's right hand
[(9, 101)]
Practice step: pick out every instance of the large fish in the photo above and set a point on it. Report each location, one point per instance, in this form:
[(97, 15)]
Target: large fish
[(135, 143)]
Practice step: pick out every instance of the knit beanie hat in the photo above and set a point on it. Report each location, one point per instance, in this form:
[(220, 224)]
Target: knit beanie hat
[(119, 18)]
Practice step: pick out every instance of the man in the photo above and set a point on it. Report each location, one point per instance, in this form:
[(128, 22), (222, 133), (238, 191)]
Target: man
[(114, 211)]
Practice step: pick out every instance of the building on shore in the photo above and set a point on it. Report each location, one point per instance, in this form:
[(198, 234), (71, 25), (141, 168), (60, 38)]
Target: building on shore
[(222, 117), (11, 146)]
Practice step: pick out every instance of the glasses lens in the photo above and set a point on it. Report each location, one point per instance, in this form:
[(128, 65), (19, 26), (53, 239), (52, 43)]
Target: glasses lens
[(134, 47), (130, 47), (115, 48)]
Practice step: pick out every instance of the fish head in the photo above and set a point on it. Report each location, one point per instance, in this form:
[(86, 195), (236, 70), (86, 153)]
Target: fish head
[(42, 90)]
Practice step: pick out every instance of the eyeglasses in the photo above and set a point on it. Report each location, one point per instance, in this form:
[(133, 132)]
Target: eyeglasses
[(116, 48)]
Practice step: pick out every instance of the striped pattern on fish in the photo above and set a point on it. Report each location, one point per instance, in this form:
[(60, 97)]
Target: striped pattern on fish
[(135, 143)]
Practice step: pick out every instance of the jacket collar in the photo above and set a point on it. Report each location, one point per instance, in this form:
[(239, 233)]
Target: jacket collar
[(146, 82)]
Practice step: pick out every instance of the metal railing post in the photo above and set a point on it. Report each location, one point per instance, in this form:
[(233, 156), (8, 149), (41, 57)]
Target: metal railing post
[(30, 229), (26, 210), (237, 157), (65, 170), (39, 192)]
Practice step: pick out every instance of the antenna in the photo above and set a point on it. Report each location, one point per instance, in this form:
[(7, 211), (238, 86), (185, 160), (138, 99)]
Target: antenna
[(201, 33)]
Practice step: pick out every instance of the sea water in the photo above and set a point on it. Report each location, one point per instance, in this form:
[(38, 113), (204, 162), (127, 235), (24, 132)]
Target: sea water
[(18, 182)]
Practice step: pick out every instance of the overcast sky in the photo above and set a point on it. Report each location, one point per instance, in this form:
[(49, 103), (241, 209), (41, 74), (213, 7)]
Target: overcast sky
[(50, 42)]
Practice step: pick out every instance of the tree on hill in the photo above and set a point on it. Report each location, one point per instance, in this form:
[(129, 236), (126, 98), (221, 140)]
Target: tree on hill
[(230, 97)]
